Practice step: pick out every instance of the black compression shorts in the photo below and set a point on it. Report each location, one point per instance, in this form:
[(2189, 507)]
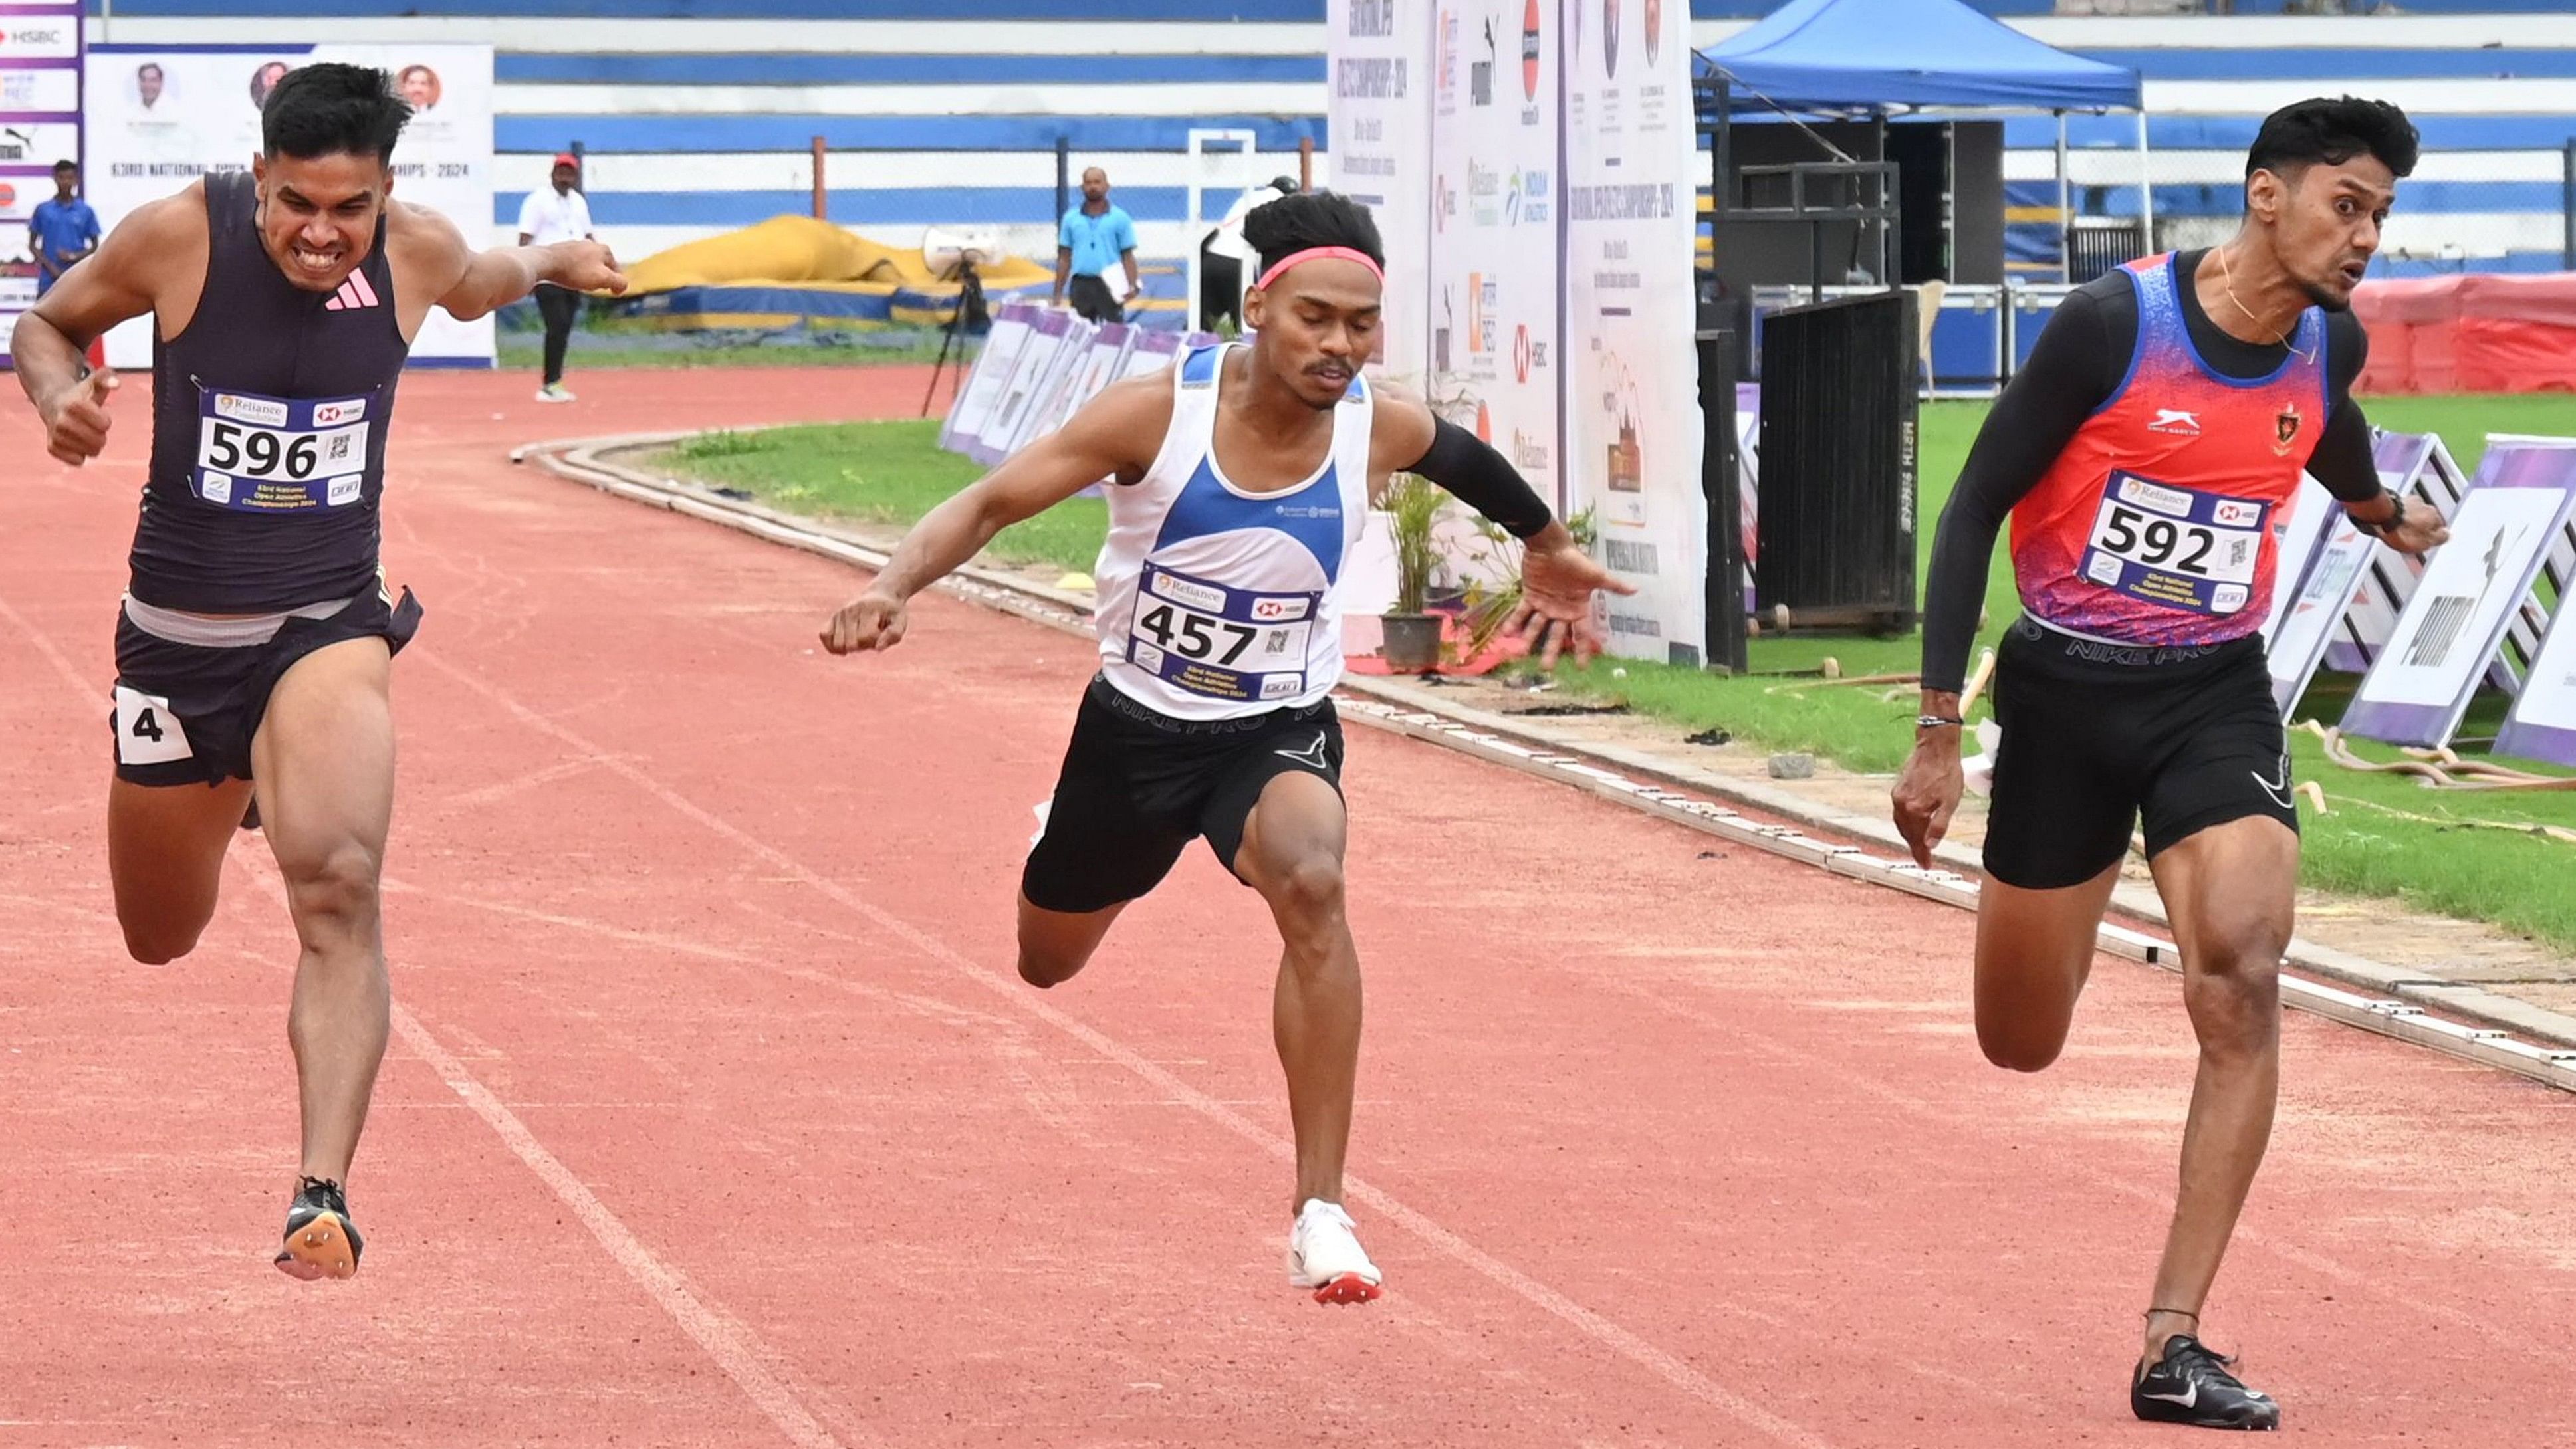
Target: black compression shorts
[(1139, 785), (185, 714), (2097, 735)]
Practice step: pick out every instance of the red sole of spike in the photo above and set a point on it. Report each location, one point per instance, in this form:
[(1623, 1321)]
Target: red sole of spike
[(1348, 1288)]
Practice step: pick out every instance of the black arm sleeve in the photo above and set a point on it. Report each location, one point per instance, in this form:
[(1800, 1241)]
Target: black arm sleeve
[(1470, 469), (2343, 461), (2071, 372)]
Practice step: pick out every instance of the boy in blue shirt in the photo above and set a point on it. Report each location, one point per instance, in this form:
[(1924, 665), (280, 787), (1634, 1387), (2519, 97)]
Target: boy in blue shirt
[(63, 230)]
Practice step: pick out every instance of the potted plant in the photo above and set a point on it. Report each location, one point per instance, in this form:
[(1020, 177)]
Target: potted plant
[(1491, 606), (1412, 636)]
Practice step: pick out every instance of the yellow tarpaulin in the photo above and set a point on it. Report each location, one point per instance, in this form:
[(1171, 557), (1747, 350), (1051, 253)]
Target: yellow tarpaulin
[(799, 251)]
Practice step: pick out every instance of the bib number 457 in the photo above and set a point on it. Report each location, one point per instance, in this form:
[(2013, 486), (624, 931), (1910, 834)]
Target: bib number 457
[(1194, 636)]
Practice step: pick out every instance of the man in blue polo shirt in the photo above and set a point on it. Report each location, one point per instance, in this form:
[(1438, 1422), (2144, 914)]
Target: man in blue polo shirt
[(1095, 237), (63, 230)]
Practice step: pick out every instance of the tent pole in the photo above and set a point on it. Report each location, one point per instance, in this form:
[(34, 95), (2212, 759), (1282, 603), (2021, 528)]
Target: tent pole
[(2146, 192), (2065, 211), (1886, 246)]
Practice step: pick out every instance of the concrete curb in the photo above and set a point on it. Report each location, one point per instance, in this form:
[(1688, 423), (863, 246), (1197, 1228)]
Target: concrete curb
[(2400, 1004)]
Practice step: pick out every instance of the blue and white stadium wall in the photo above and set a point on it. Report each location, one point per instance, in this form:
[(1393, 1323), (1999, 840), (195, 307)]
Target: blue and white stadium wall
[(698, 114)]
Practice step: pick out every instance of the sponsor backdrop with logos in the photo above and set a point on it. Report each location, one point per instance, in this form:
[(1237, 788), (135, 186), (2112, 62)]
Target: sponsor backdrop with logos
[(160, 117), (1496, 269), (1559, 177), (1381, 130), (40, 112), (1632, 415)]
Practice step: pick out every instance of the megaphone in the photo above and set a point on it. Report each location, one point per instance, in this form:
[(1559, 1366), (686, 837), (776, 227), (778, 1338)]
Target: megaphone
[(945, 249)]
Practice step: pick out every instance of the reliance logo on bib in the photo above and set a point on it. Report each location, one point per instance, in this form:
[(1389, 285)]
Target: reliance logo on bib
[(265, 412)]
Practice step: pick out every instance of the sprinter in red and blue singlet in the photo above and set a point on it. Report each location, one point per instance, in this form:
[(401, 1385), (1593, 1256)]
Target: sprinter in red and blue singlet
[(256, 636), (2146, 455)]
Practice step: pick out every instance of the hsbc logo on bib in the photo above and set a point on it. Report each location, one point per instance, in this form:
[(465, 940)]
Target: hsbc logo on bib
[(331, 414), (1277, 611), (2236, 513)]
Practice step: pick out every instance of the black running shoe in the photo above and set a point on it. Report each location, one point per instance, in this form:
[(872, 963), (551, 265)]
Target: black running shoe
[(321, 1242), (2192, 1385)]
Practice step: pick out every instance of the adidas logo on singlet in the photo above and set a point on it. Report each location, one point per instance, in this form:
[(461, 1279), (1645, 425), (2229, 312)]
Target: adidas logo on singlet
[(353, 294)]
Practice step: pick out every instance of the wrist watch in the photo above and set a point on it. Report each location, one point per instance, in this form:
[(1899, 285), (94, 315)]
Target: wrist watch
[(2396, 516)]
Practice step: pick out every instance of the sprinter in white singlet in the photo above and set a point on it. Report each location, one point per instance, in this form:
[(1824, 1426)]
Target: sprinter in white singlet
[(1242, 477)]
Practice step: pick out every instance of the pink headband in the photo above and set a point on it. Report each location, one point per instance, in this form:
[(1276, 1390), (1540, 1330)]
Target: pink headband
[(1348, 254)]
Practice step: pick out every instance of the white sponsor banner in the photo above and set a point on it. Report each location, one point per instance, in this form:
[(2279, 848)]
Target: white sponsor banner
[(161, 117), (1496, 267), (1099, 367), (1632, 418), (36, 145), (2325, 561), (1378, 57), (970, 407), (40, 112), (1019, 391), (40, 37), (52, 92), (1046, 409), (2419, 687), (2542, 724)]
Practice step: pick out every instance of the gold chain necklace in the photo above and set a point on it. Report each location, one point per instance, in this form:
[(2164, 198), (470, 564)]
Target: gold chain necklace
[(2227, 279)]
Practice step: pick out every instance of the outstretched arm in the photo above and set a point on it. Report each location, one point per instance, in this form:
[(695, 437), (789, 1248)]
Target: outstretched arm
[(1558, 579), (1101, 441), (470, 283)]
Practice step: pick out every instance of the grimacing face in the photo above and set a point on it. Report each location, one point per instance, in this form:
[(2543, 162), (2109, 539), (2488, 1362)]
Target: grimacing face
[(2324, 221), (317, 214), (1315, 325)]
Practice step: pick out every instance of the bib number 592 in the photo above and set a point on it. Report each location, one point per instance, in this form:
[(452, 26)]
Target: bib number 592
[(1187, 634), (232, 448), (2158, 542)]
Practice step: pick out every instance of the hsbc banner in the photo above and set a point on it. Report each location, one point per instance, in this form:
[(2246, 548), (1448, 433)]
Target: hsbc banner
[(40, 111), (1495, 266), (159, 117), (1379, 57), (1632, 417)]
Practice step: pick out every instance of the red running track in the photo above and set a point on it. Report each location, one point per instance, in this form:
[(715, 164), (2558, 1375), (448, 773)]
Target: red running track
[(716, 1115)]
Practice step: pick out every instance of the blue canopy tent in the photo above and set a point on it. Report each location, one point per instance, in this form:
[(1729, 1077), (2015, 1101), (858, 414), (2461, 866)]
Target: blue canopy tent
[(1872, 58)]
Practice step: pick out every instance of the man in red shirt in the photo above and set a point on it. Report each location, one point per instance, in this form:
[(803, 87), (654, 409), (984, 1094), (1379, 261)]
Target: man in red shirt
[(2145, 454)]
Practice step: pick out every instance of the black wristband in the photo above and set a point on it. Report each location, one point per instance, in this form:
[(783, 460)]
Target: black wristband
[(1471, 471), (2395, 519)]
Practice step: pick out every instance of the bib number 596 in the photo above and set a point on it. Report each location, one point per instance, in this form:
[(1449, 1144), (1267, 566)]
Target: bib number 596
[(1187, 634), (2158, 542), (258, 453)]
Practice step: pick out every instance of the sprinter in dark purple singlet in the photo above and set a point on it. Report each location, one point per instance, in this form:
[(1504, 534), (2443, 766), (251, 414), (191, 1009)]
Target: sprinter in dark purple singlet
[(254, 648)]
